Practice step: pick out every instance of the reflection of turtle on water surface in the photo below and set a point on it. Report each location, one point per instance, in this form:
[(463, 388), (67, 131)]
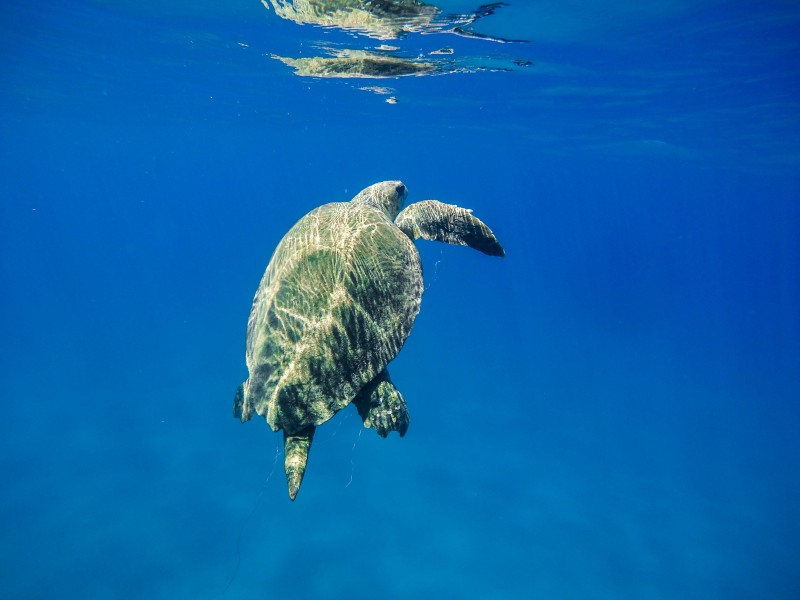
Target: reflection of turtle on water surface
[(335, 306), (378, 65), (359, 64), (380, 19)]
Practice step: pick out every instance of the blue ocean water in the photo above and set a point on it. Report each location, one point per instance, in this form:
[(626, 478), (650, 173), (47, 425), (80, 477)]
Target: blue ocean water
[(610, 411)]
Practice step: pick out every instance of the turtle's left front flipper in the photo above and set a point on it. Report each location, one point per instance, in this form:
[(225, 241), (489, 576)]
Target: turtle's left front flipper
[(434, 220)]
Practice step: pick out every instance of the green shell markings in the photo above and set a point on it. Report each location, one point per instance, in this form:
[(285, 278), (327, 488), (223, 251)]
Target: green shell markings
[(334, 307)]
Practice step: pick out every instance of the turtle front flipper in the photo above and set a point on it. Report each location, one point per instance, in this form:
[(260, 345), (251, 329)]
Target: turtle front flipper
[(381, 406), (434, 220), (295, 449)]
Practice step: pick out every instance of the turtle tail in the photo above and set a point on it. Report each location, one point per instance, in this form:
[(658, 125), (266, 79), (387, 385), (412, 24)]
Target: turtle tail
[(295, 450)]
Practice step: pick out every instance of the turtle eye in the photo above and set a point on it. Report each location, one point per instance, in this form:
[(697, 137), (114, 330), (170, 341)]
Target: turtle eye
[(401, 189)]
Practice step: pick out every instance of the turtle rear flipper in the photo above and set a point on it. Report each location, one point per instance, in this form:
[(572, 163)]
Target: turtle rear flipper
[(382, 406), (242, 410), (434, 220)]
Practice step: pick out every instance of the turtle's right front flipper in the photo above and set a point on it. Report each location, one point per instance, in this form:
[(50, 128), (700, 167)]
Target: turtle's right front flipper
[(434, 220)]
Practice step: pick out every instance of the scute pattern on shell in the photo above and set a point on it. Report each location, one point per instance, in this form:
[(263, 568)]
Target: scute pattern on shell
[(334, 307)]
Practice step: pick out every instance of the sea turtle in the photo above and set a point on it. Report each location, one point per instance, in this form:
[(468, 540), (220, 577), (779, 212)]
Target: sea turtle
[(334, 307)]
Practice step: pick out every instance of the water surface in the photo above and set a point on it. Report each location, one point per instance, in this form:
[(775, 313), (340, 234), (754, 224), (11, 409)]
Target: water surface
[(610, 411)]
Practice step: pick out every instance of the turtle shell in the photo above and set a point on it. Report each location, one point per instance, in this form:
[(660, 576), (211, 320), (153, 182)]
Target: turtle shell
[(335, 305)]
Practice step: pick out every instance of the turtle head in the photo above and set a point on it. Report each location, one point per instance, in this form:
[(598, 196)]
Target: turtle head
[(386, 196)]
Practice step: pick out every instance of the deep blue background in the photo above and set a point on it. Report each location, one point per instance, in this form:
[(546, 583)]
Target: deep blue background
[(611, 411)]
